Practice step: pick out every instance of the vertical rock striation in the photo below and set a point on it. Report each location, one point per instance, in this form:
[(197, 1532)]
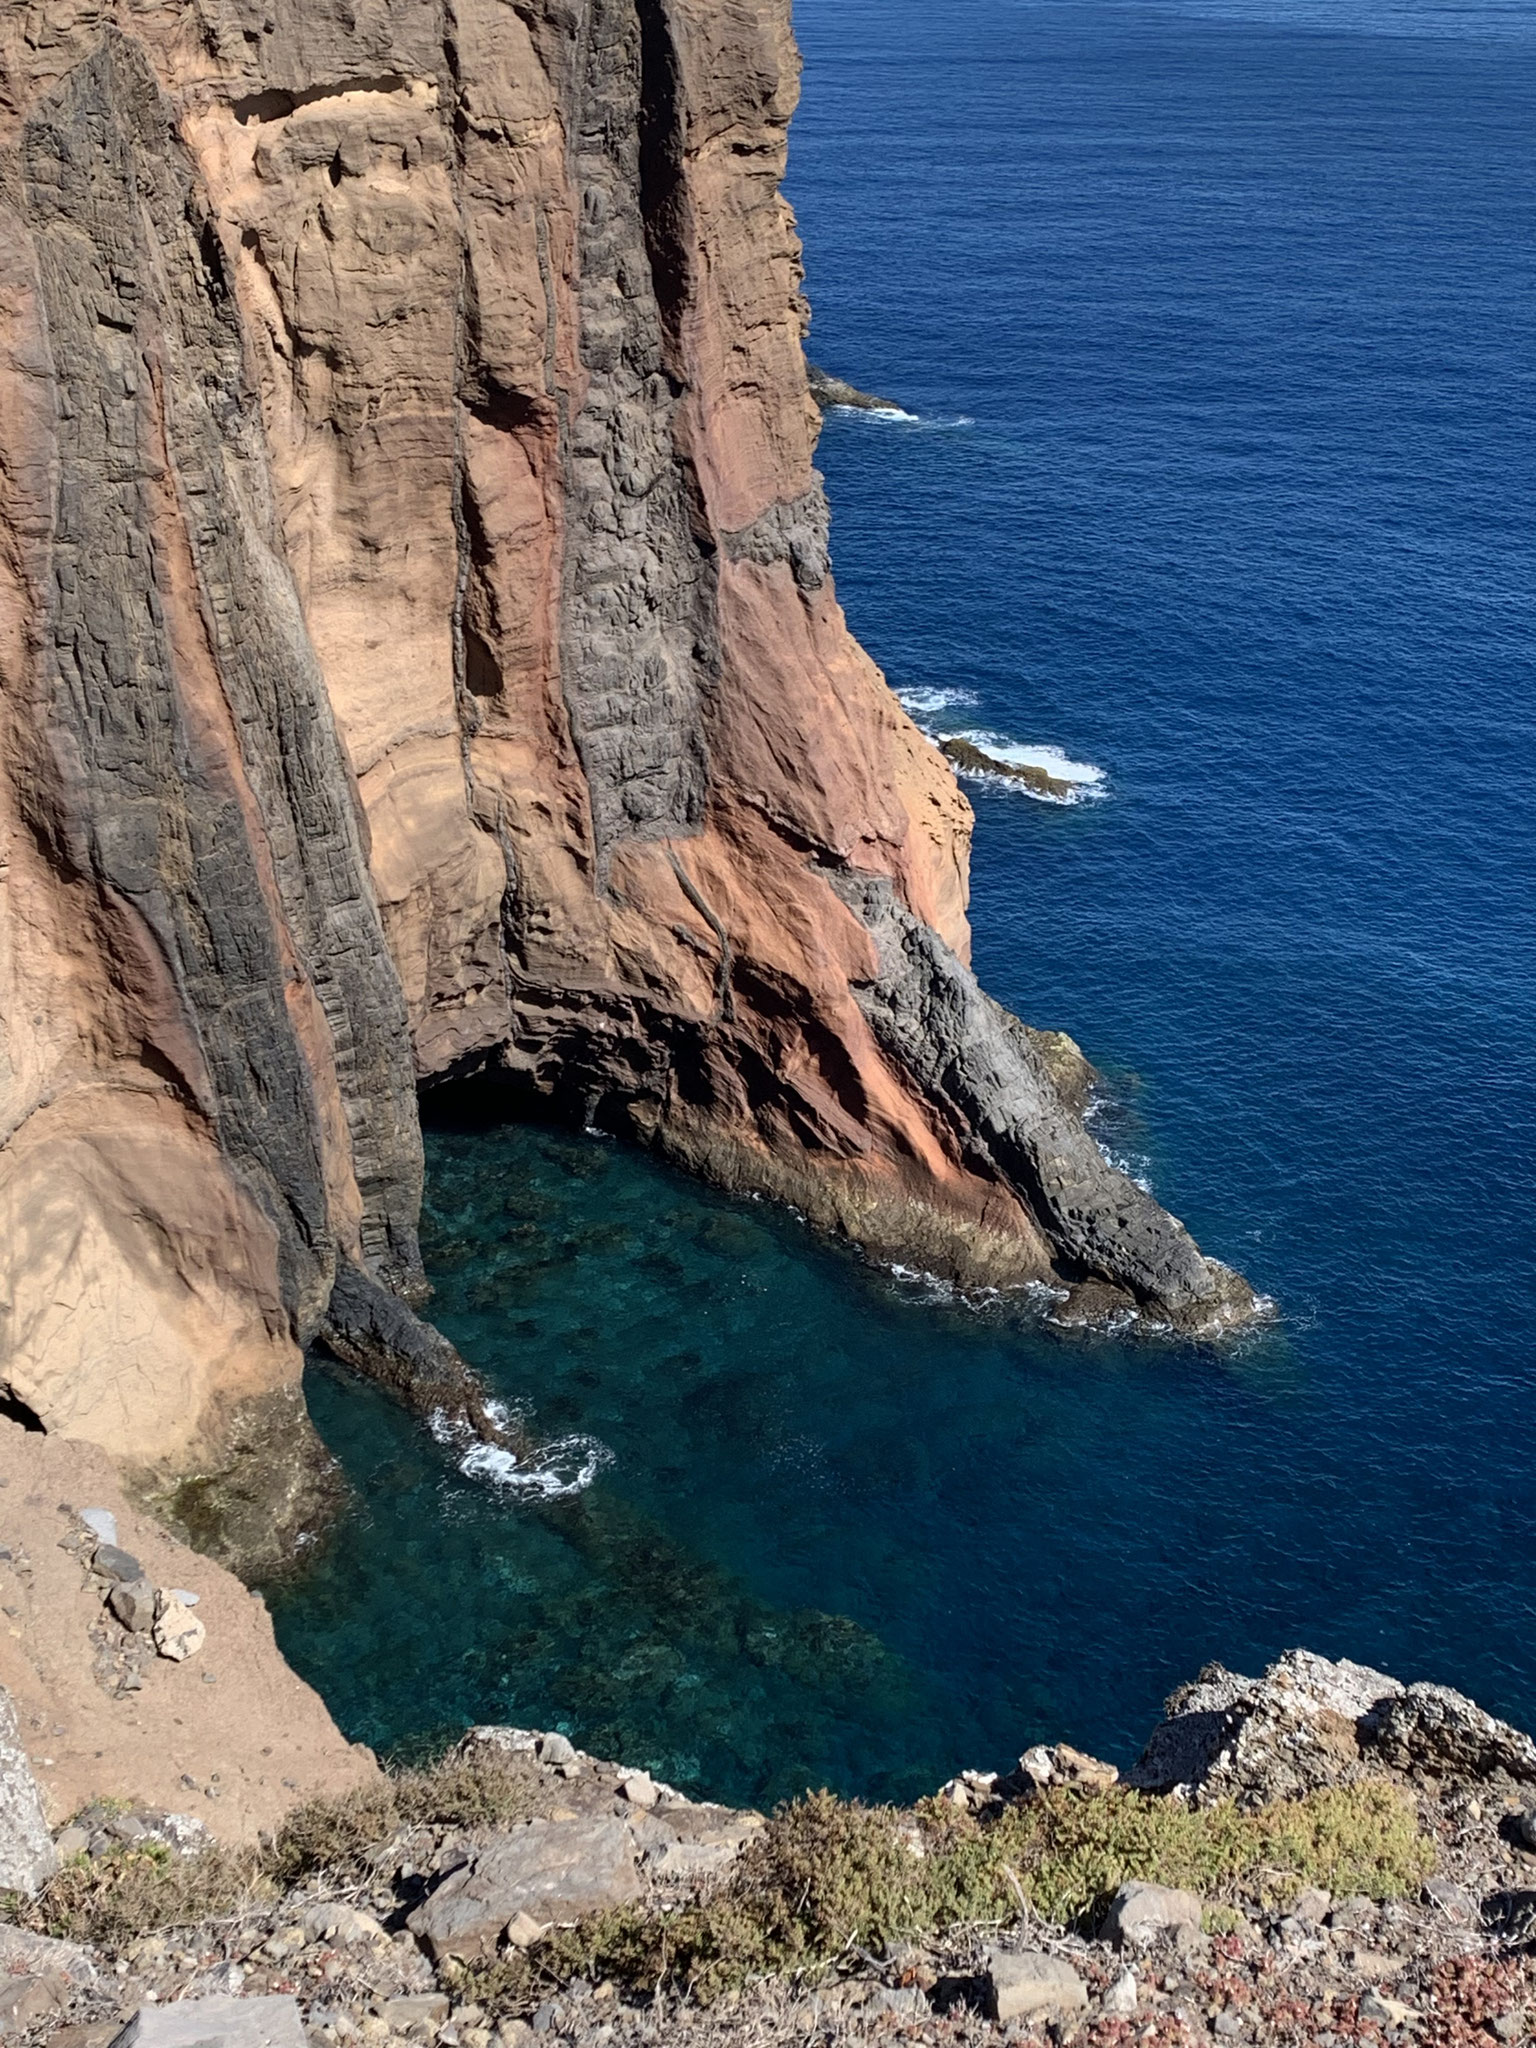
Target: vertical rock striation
[(420, 656)]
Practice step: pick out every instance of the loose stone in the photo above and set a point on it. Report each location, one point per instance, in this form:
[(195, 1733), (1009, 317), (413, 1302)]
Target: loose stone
[(1028, 1984)]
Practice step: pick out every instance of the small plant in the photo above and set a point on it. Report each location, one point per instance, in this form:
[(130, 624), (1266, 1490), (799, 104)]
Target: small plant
[(130, 1891)]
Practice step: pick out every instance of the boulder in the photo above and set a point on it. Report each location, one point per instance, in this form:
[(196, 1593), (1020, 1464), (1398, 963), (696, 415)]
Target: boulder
[(688, 1862), (1294, 1730), (555, 1749), (638, 1788), (554, 1871), (495, 1736), (1431, 1728), (1029, 1985), (28, 1857), (1453, 1900), (1139, 1913), (414, 2009), (27, 1999), (341, 1925), (108, 1562), (1071, 1766), (101, 1522), (178, 1632), (216, 2022), (1120, 1999), (133, 1602), (41, 1955)]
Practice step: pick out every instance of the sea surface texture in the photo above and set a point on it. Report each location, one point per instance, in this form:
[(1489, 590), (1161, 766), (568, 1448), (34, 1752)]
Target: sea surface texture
[(1215, 323)]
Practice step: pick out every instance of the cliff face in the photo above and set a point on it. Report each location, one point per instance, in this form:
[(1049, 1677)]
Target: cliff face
[(420, 653)]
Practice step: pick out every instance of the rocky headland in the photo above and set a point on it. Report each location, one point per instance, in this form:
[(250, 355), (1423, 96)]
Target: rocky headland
[(421, 665), (422, 662)]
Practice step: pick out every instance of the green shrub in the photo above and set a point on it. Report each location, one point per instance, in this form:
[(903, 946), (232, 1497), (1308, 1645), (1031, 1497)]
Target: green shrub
[(142, 1889)]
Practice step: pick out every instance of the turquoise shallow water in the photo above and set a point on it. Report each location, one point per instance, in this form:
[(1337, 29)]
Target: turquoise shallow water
[(1216, 320)]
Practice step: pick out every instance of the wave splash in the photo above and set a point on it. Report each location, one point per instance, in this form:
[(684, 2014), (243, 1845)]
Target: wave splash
[(556, 1470), (895, 415), (923, 703)]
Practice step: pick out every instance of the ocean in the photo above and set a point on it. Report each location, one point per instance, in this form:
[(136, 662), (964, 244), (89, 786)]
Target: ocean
[(1213, 319)]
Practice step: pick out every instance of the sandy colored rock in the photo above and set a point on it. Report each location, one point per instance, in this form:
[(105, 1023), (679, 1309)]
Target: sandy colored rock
[(236, 1753)]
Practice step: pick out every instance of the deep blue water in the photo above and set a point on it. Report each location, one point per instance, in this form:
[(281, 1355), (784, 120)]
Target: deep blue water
[(1217, 320)]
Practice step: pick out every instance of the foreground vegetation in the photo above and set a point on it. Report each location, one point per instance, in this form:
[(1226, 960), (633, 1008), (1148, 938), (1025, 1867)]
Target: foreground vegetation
[(824, 1878)]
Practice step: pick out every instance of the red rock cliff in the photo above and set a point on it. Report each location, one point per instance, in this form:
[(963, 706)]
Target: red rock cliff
[(420, 654)]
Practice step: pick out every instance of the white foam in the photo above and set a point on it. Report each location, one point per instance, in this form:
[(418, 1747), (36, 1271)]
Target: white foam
[(922, 703), (557, 1470), (880, 412)]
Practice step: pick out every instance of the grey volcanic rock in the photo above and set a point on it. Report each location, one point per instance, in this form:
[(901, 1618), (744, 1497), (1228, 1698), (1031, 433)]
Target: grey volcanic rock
[(979, 1061), (229, 2022), (1308, 1722), (1432, 1728), (553, 1871), (1291, 1731), (828, 391)]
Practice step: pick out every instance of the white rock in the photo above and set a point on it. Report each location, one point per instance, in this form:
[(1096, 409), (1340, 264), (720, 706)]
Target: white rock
[(178, 1632), (101, 1522), (1138, 1913), (1120, 1998), (637, 1787), (226, 2022)]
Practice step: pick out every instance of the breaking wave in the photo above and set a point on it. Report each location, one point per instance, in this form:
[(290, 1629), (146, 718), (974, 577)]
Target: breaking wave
[(923, 703), (555, 1471)]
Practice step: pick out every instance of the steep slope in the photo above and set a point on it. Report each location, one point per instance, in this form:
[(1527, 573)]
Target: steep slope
[(420, 656)]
